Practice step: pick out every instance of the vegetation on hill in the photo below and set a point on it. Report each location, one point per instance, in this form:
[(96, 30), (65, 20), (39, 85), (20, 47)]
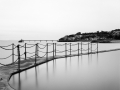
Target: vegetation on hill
[(92, 36)]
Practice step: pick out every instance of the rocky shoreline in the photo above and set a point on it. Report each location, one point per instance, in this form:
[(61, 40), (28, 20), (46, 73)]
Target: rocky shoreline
[(103, 36)]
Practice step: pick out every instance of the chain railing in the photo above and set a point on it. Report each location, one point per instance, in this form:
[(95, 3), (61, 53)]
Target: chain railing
[(39, 49)]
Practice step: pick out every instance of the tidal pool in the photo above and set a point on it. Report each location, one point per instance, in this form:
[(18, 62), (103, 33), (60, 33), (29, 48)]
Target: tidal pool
[(88, 72)]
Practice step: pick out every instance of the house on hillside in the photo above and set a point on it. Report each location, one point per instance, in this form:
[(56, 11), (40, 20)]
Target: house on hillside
[(78, 37), (115, 34)]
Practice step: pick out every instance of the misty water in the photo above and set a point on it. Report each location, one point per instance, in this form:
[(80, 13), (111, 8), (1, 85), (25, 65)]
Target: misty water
[(74, 46), (87, 72)]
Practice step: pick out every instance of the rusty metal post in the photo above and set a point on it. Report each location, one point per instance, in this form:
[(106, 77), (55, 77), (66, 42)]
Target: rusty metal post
[(70, 49), (53, 51), (91, 48), (65, 49), (47, 52), (78, 49), (37, 51), (35, 54), (88, 47), (25, 52), (97, 47), (13, 53), (18, 49), (81, 47)]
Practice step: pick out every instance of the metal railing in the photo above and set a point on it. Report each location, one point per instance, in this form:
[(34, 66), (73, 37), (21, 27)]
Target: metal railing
[(39, 47)]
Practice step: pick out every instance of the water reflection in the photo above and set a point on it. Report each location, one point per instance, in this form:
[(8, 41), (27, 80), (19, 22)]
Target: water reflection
[(13, 80), (38, 69), (53, 67), (91, 58), (36, 76), (26, 74), (47, 72), (78, 61), (66, 64), (74, 73), (97, 58), (81, 60), (70, 62), (88, 59), (19, 82)]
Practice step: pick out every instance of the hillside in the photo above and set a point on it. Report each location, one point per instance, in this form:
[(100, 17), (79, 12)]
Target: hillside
[(104, 36)]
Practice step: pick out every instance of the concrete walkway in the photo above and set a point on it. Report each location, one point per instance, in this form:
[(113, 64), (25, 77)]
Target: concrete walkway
[(7, 71)]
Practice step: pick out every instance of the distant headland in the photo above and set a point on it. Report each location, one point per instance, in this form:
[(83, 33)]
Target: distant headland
[(99, 36)]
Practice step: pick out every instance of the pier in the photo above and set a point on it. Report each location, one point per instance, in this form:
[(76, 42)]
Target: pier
[(22, 64), (36, 40)]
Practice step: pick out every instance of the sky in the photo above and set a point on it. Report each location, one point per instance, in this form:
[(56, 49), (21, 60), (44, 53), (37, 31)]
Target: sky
[(53, 19)]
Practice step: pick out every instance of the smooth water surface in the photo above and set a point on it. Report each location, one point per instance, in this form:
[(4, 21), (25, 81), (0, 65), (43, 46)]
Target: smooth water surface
[(60, 46), (88, 72)]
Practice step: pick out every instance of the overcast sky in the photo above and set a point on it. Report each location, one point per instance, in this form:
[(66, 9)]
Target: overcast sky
[(52, 19)]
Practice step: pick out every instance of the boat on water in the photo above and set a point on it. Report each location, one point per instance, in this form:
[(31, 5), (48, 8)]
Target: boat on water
[(20, 41)]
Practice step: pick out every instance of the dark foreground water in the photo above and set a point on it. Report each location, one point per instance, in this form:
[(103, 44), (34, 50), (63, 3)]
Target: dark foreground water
[(89, 72)]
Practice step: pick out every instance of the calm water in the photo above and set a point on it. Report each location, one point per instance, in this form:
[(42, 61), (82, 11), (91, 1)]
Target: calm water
[(6, 53), (89, 72)]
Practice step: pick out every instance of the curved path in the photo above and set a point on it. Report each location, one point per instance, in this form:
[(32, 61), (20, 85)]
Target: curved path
[(7, 71)]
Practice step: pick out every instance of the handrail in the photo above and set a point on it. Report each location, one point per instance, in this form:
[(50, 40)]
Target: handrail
[(42, 56), (30, 52), (6, 57), (74, 44), (6, 48), (38, 47), (42, 51), (60, 44), (31, 46), (7, 45)]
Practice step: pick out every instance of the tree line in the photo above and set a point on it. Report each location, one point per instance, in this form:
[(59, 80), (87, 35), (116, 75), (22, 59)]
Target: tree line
[(99, 35)]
